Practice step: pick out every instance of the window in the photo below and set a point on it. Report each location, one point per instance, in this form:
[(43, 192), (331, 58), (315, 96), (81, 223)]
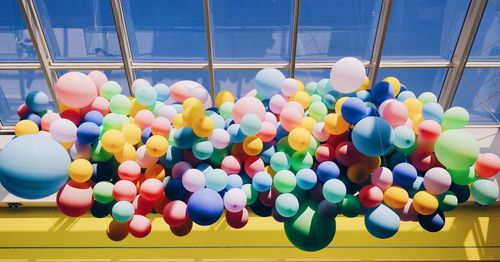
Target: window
[(417, 80)]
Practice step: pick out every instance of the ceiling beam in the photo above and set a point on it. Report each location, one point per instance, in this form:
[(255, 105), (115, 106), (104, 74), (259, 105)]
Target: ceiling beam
[(210, 51), (378, 46), (295, 32)]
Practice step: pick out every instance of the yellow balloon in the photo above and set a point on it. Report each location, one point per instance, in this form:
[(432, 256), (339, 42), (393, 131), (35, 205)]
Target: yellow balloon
[(425, 203), (252, 145), (155, 171), (113, 141), (157, 146), (358, 173), (338, 104), (178, 121), (416, 120), (365, 85), (203, 126), (335, 124), (308, 123), (136, 107), (80, 170), (127, 153), (396, 197), (132, 133), (192, 108), (414, 106), (66, 145), (25, 127), (299, 139), (301, 85), (394, 83), (223, 96), (303, 98), (63, 107)]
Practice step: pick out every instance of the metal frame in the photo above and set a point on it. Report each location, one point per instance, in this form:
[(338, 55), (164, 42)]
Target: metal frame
[(49, 67)]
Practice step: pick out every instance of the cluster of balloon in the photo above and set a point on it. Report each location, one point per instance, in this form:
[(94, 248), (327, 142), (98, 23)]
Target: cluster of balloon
[(302, 154)]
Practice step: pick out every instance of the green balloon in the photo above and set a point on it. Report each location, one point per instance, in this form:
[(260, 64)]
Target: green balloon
[(318, 111), (427, 97), (485, 191), (280, 161), (404, 140), (251, 193), (103, 192), (218, 155), (315, 97), (307, 230), (284, 181), (455, 118), (98, 154), (203, 149), (120, 104), (350, 206), (226, 109), (302, 159), (447, 201), (312, 146), (110, 89), (283, 146), (122, 211), (287, 205), (456, 149), (310, 88), (462, 177), (113, 121)]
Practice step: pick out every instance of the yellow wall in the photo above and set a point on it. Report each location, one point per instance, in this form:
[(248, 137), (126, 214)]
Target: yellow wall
[(32, 233)]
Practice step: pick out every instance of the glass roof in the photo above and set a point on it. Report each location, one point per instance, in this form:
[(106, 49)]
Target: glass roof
[(223, 43)]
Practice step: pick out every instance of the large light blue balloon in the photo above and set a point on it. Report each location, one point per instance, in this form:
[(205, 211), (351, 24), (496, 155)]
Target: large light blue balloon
[(33, 166), (382, 222), (373, 136), (268, 82)]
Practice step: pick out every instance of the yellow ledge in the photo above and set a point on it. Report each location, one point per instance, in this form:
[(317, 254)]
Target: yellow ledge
[(31, 233)]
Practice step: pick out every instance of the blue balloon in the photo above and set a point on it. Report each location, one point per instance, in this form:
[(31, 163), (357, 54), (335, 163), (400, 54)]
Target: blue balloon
[(205, 168), (433, 111), (174, 190), (236, 135), (95, 117), (33, 117), (205, 207), (268, 82), (382, 222), (404, 174), (432, 223), (172, 157), (218, 120), (371, 109), (280, 132), (353, 109), (162, 92), (234, 181), (268, 151), (403, 88), (329, 100), (364, 95), (306, 178), (403, 95), (373, 136), (327, 170), (88, 133), (145, 95), (33, 166), (146, 134), (185, 137), (381, 92), (328, 210), (418, 185), (262, 181), (37, 101)]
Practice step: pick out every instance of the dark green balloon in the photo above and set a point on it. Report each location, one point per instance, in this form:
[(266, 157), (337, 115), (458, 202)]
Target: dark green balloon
[(307, 230), (447, 201), (350, 206)]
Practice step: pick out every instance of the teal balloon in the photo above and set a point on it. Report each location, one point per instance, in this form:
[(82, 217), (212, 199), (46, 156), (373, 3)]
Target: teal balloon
[(203, 149), (307, 230), (334, 190), (185, 137), (280, 161), (250, 124), (404, 139), (122, 211), (162, 92), (216, 180), (373, 136), (287, 205), (33, 166), (145, 95), (120, 104), (433, 111), (37, 101), (456, 149), (485, 191), (268, 82), (382, 222)]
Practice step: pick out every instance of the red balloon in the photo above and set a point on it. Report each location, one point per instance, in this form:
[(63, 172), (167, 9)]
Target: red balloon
[(160, 204), (182, 230), (325, 152), (347, 154), (152, 189), (175, 213), (75, 199), (237, 220), (423, 160), (22, 110), (72, 116), (268, 198), (335, 140), (252, 165), (142, 206), (139, 226), (124, 190), (370, 196), (429, 130), (117, 231), (487, 165)]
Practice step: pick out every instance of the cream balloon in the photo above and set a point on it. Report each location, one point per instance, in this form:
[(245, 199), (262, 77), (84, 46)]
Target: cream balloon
[(347, 75)]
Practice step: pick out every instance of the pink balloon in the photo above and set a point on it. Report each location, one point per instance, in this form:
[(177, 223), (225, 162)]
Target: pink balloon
[(382, 106), (231, 165), (63, 130), (291, 117), (124, 190), (437, 180), (253, 165), (99, 78), (160, 126), (319, 132), (139, 226), (276, 103), (267, 132), (193, 180), (167, 112), (179, 92), (395, 113), (219, 138), (144, 118), (429, 130), (152, 189), (248, 105), (76, 89), (143, 158), (289, 86), (48, 118), (382, 178), (129, 170), (235, 200), (99, 104), (270, 117)]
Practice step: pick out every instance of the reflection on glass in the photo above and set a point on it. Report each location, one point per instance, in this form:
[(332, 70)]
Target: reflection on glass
[(479, 93), (424, 29), (166, 30), (79, 29), (417, 80), (311, 75), (169, 77), (115, 75), (14, 86), (238, 82), (252, 30), (16, 42), (486, 45), (329, 30)]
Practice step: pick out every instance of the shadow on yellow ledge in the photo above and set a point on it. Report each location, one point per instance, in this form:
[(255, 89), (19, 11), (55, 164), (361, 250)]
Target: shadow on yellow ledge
[(32, 233)]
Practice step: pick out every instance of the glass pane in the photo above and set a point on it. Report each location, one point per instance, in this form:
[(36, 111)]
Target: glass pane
[(239, 82), (16, 41), (79, 29), (479, 93), (486, 46), (424, 29), (417, 80), (166, 30), (115, 75), (311, 75), (14, 86), (169, 77), (252, 30), (329, 30)]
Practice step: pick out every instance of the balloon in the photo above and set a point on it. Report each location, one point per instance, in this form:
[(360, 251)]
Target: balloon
[(382, 178), (268, 82), (235, 200), (487, 165), (152, 189), (45, 163), (237, 220), (350, 206), (100, 104), (98, 78), (382, 222), (284, 181), (353, 110), (425, 203), (129, 170), (47, 120), (162, 91), (433, 222), (381, 92), (299, 138), (395, 197), (262, 181), (404, 174), (63, 130), (219, 138), (113, 141), (250, 124), (429, 130), (120, 104), (145, 95), (144, 118), (203, 149), (289, 86), (74, 199), (373, 136), (404, 139), (139, 226), (280, 161), (193, 180), (302, 98), (277, 103), (437, 180), (37, 101), (248, 105), (395, 113), (175, 213), (370, 196), (224, 96), (455, 155), (455, 118), (80, 170), (122, 211), (394, 82), (485, 191), (103, 192), (75, 89), (252, 145), (124, 190), (334, 190), (306, 179), (88, 133), (327, 170), (205, 207), (157, 146), (25, 127), (287, 205), (110, 89), (447, 201), (216, 180), (347, 75)]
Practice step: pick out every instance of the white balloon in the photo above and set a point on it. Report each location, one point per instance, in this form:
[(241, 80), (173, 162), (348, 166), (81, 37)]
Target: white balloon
[(139, 82), (63, 130), (347, 75)]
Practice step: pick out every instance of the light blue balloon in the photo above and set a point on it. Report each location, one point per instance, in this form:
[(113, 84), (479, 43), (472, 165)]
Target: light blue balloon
[(433, 111), (145, 95), (267, 152), (250, 124), (203, 149), (216, 180), (364, 95), (382, 222), (122, 211), (287, 205), (262, 181), (217, 119), (268, 82), (33, 166), (306, 178), (311, 87), (405, 95), (334, 190), (162, 91), (205, 168), (404, 139), (373, 136), (234, 181), (236, 135)]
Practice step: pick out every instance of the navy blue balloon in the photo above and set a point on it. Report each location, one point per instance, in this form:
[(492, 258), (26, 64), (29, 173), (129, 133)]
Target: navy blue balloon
[(261, 210), (353, 109), (432, 223), (461, 191), (94, 116), (205, 207), (236, 135), (403, 88), (327, 170), (382, 222), (173, 156), (146, 134), (174, 190), (381, 92), (88, 133), (404, 174), (280, 132)]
